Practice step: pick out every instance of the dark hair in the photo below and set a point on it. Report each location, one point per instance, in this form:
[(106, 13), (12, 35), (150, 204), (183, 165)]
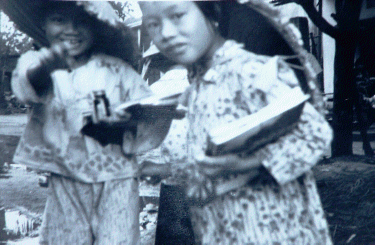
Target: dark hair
[(211, 9), (214, 11)]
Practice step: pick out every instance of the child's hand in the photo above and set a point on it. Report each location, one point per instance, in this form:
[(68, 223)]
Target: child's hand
[(148, 168), (53, 58), (46, 61), (123, 115), (153, 173), (215, 165)]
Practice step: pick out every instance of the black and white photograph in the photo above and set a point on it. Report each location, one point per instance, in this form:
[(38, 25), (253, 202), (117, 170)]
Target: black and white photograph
[(187, 122)]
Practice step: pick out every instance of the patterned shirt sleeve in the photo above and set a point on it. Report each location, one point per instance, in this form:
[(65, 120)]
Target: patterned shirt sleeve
[(21, 85), (297, 152)]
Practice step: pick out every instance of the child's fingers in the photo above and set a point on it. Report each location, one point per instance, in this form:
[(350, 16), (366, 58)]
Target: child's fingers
[(250, 162), (212, 171), (151, 180), (180, 113), (229, 161), (44, 60), (223, 160), (60, 49), (124, 115), (54, 57), (45, 56), (60, 54), (150, 169)]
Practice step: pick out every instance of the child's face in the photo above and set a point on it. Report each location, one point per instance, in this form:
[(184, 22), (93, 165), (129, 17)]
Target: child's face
[(180, 30), (69, 26)]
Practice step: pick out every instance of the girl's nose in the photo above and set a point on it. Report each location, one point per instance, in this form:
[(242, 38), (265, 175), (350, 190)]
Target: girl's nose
[(71, 26), (168, 29)]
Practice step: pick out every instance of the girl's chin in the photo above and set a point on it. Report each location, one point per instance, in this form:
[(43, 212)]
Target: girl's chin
[(76, 54), (186, 60)]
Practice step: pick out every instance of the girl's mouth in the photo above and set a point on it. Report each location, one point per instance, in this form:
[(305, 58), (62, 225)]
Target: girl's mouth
[(177, 49), (72, 43)]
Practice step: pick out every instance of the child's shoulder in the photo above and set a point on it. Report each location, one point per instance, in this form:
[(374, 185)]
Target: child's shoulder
[(240, 61), (246, 62)]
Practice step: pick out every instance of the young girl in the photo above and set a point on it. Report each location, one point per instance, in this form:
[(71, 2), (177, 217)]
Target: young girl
[(93, 190), (280, 203)]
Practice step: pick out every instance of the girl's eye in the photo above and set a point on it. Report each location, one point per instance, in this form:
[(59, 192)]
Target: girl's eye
[(58, 20), (177, 15), (152, 25)]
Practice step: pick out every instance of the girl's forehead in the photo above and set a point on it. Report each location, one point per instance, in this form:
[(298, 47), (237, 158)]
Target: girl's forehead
[(151, 8)]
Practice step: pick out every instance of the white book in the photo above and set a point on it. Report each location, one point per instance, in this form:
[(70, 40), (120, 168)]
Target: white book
[(153, 106), (258, 129)]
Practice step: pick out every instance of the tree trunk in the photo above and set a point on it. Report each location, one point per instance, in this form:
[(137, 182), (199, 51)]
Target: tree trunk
[(344, 84), (343, 99)]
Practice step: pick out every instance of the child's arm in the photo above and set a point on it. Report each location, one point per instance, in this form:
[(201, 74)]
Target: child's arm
[(297, 152), (215, 165), (286, 159), (31, 80), (291, 155)]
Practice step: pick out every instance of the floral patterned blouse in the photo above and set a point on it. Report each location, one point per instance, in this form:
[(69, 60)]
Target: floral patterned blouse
[(281, 205), (52, 140)]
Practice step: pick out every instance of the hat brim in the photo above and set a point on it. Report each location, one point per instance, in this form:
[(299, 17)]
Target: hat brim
[(26, 15)]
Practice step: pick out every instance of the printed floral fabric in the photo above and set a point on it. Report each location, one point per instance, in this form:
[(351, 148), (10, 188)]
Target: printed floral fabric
[(98, 213), (282, 204), (52, 140)]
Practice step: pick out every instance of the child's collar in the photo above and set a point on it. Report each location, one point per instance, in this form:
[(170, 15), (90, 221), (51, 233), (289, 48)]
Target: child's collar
[(225, 53)]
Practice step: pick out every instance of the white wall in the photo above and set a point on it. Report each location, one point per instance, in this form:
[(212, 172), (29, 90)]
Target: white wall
[(328, 46)]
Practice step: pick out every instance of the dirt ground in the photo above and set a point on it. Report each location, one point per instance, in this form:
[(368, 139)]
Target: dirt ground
[(347, 191), (346, 186)]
